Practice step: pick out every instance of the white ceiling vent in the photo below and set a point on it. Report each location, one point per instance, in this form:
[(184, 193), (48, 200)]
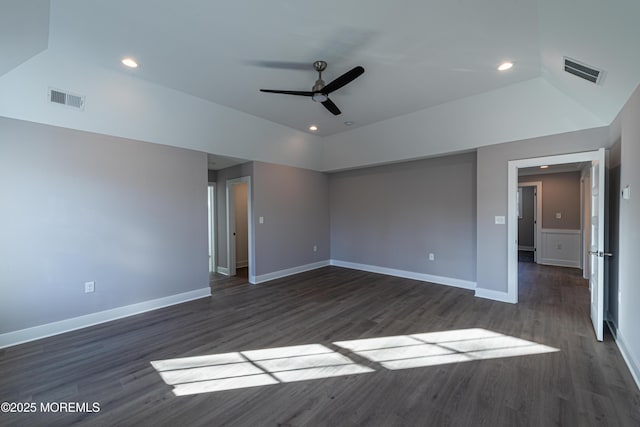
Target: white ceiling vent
[(61, 97), (584, 71)]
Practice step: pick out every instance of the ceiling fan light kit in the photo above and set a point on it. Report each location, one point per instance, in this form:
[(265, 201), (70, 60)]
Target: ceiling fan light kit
[(320, 92)]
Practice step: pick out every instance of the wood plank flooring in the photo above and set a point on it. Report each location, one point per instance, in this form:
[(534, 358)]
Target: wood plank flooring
[(585, 383)]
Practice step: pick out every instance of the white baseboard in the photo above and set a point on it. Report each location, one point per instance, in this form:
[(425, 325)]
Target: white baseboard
[(449, 281), (632, 364), (289, 271), (494, 295), (526, 248), (42, 331), (242, 264), (223, 270), (559, 262)]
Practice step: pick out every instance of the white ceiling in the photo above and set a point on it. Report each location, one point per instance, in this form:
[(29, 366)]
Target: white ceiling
[(416, 54), (430, 88)]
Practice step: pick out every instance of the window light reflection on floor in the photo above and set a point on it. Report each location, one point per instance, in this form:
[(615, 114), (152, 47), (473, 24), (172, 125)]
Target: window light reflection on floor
[(202, 374), (438, 348), (228, 371)]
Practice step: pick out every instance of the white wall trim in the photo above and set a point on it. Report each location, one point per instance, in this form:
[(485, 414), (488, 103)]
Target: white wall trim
[(42, 331), (494, 295), (559, 262), (571, 253), (562, 231), (449, 281), (223, 270), (632, 364), (289, 271)]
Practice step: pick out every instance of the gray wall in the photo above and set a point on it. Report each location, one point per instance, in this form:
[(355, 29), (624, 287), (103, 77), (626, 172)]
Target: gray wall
[(629, 244), (526, 226), (560, 193), (492, 194), (78, 206), (392, 216), (295, 205)]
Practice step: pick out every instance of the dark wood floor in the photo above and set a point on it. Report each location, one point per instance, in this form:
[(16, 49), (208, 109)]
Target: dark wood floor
[(585, 383)]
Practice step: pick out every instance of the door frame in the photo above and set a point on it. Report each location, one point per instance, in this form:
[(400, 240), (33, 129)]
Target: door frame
[(512, 208), (537, 215), (231, 247), (212, 217)]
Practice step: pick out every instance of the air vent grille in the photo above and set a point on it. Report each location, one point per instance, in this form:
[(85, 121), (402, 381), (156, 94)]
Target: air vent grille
[(582, 70), (65, 98)]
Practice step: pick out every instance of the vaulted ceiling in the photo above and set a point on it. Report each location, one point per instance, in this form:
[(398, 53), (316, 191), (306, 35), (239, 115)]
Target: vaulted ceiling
[(425, 61)]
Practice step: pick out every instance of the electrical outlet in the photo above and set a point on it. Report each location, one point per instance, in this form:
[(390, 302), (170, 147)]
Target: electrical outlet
[(315, 248), (432, 257), (89, 287)]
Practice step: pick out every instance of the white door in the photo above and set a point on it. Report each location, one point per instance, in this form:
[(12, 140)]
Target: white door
[(596, 250)]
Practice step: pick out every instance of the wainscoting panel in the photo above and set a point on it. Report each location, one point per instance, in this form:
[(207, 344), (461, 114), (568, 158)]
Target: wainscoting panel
[(561, 247)]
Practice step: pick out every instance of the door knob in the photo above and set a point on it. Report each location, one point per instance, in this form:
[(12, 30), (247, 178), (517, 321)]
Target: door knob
[(600, 254)]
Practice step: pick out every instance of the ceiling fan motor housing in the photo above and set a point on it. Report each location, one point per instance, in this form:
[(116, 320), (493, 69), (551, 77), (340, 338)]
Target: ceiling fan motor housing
[(318, 86)]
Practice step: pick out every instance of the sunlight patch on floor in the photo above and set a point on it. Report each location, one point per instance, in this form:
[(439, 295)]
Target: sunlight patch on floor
[(227, 371), (253, 368), (438, 348)]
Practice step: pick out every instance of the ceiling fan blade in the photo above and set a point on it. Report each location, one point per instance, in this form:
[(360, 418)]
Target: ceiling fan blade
[(344, 79), (283, 65), (329, 105), (289, 92)]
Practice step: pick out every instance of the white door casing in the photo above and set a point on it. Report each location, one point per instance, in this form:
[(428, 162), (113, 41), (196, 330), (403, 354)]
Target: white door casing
[(211, 198), (598, 159), (231, 244), (537, 215)]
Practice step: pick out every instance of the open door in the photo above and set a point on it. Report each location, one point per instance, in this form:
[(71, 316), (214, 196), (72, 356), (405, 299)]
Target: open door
[(597, 246)]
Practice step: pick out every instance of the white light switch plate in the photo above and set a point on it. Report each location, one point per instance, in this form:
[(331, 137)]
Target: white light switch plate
[(89, 287), (500, 219), (626, 193), (261, 220)]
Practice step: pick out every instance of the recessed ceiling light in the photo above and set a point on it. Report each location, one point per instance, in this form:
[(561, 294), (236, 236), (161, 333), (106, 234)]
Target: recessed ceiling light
[(313, 128), (505, 66), (544, 167), (130, 62), (348, 123)]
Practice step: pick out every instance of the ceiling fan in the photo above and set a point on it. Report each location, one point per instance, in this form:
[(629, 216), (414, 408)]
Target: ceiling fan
[(320, 92)]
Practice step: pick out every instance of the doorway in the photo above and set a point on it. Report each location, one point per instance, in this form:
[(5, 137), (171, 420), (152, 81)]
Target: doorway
[(211, 205), (597, 159), (240, 239), (529, 226)]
